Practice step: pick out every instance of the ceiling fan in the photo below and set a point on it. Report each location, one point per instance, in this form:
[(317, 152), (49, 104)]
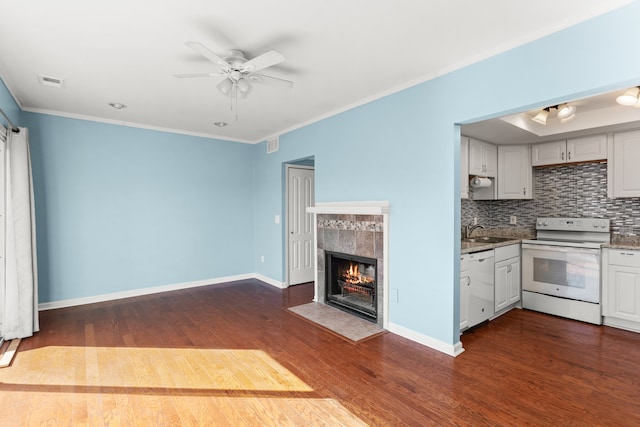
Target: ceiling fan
[(239, 72)]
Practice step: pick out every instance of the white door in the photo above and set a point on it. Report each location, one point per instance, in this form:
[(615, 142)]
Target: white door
[(300, 196)]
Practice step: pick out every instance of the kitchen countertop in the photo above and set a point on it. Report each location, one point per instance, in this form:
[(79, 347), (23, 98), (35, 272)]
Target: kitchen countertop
[(623, 242), (467, 247), (515, 235)]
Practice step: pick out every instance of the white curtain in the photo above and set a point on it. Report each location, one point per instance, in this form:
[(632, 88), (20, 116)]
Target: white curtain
[(20, 311)]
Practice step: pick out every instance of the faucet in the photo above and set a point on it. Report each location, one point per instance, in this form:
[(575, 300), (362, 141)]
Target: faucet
[(468, 229)]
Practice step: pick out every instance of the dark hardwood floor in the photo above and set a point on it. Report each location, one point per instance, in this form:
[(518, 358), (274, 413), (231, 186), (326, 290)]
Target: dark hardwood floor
[(232, 354)]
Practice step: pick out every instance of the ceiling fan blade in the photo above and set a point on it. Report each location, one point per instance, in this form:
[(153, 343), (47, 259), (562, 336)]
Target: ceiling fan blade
[(207, 53), (191, 75), (265, 60), (269, 80)]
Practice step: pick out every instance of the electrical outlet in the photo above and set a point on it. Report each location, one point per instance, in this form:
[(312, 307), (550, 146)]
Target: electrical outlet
[(394, 295), (277, 219), (475, 220), (513, 220), (262, 258)]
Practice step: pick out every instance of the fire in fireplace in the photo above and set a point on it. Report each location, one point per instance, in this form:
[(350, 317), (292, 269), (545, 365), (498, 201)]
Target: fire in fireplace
[(351, 284)]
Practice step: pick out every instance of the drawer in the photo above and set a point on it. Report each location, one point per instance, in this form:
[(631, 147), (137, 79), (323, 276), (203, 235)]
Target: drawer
[(624, 257), (506, 252)]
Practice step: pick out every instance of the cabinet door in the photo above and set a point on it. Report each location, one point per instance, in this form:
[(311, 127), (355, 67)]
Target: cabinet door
[(623, 168), (514, 172), (623, 293), (483, 158), (501, 285), (507, 283), (476, 162), (464, 167), (514, 286), (586, 149), (464, 300), (490, 153), (548, 153)]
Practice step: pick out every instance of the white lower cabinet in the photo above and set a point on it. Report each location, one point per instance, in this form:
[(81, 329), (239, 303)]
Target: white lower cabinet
[(621, 288), (507, 277)]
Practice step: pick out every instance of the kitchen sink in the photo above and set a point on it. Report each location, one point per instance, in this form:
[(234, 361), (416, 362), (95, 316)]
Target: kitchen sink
[(486, 239)]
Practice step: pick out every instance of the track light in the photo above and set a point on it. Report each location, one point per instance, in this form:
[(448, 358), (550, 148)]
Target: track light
[(566, 111), (629, 98), (541, 117)]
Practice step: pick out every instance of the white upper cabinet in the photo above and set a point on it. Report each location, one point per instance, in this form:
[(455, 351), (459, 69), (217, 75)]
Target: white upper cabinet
[(483, 158), (514, 172), (548, 153), (464, 167), (570, 151), (623, 172), (587, 149)]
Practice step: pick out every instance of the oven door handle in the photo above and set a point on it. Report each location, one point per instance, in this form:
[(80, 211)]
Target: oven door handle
[(552, 248)]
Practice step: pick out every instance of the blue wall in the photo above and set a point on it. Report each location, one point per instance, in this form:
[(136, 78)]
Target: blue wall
[(120, 208), (408, 146)]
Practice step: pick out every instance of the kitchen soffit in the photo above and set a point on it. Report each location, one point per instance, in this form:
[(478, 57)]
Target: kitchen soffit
[(596, 114)]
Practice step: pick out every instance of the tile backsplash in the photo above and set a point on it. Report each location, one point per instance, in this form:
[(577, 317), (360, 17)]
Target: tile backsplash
[(572, 190)]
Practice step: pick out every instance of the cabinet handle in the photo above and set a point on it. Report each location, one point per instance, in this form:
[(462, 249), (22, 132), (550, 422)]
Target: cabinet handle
[(569, 155), (468, 281), (627, 253)]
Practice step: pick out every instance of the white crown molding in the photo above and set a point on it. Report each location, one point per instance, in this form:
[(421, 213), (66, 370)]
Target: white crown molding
[(133, 125)]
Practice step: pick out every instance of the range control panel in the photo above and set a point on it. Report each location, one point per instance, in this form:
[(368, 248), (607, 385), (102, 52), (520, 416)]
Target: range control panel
[(573, 224)]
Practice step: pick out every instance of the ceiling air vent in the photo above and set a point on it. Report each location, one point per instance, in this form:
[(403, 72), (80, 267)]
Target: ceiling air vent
[(50, 81), (273, 145)]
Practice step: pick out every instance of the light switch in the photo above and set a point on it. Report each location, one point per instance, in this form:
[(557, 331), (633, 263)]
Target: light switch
[(277, 219)]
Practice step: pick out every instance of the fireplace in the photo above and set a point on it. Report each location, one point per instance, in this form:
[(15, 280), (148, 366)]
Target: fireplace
[(351, 284), (359, 232)]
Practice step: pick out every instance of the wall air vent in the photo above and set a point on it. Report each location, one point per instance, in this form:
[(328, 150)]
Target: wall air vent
[(50, 81), (273, 145)]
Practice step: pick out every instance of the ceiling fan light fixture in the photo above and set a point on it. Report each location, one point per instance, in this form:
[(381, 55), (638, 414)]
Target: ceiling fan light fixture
[(629, 98), (541, 117), (244, 86), (566, 111), (225, 86)]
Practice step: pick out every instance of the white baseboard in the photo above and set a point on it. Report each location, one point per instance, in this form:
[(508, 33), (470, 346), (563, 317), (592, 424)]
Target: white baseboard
[(268, 280), (450, 349), (154, 290)]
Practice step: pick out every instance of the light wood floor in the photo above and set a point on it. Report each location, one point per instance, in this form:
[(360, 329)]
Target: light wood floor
[(232, 355)]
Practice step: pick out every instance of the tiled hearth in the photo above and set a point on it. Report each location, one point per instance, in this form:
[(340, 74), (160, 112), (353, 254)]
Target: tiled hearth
[(355, 228)]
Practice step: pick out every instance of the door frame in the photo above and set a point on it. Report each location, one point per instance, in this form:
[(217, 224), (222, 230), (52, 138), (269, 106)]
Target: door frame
[(288, 166)]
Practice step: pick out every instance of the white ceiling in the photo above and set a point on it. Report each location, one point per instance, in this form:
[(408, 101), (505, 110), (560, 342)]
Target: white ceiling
[(339, 54)]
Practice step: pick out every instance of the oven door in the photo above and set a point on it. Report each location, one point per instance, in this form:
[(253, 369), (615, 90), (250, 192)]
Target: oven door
[(561, 271)]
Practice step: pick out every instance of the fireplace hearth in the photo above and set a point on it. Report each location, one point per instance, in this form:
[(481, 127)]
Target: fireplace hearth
[(351, 284)]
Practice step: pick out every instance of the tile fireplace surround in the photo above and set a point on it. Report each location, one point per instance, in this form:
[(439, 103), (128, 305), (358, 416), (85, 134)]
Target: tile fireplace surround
[(354, 228)]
